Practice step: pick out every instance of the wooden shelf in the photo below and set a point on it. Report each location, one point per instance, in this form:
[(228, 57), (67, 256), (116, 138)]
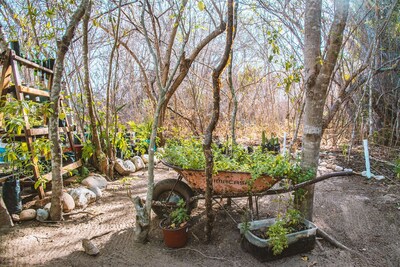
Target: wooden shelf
[(34, 91), (45, 131), (10, 73), (31, 64), (27, 90), (65, 169), (40, 131)]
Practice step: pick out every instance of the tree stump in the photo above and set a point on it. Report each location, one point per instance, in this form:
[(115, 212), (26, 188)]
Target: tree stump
[(142, 221), (5, 219)]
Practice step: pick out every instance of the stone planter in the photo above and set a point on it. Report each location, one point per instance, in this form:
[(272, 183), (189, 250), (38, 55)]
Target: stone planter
[(261, 249)]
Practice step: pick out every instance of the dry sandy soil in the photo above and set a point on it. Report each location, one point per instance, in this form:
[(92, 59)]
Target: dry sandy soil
[(363, 215)]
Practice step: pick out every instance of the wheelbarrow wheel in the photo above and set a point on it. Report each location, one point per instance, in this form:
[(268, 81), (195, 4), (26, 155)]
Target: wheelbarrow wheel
[(169, 192)]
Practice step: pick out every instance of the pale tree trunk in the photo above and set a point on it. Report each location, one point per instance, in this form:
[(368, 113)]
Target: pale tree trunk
[(100, 159), (216, 82), (171, 80), (230, 82), (55, 93), (143, 216), (3, 40), (234, 102), (109, 99), (152, 144), (318, 74)]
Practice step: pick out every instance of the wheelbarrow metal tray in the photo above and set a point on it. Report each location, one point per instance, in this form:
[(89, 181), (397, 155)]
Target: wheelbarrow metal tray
[(225, 182)]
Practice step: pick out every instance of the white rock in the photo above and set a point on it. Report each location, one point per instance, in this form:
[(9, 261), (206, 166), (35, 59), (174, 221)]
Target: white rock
[(120, 167), (90, 248), (42, 215), (97, 191), (348, 170), (379, 177), (338, 168), (323, 169), (68, 202), (323, 163), (139, 164), (145, 158), (15, 218), (388, 199), (82, 196), (27, 215), (156, 159), (48, 206), (95, 180), (129, 165)]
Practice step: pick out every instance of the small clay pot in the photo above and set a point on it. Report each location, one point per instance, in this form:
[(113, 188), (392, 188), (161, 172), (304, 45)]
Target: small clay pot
[(175, 238)]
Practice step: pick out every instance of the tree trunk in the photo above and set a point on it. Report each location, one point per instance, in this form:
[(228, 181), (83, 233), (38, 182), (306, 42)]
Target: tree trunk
[(142, 222), (54, 135), (167, 91), (5, 219), (3, 40), (141, 232), (230, 82), (109, 99), (100, 159), (318, 75), (213, 123)]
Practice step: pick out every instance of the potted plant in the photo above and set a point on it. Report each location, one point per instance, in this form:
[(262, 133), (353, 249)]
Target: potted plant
[(274, 238), (14, 45), (271, 145), (175, 227)]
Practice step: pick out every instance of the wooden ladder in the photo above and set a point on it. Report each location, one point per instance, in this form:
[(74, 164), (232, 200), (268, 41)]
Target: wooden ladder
[(11, 73)]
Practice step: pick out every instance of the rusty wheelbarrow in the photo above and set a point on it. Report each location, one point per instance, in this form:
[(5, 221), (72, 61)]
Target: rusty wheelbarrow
[(226, 184)]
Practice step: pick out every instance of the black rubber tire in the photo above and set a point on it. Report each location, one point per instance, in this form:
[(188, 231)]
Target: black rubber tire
[(162, 190)]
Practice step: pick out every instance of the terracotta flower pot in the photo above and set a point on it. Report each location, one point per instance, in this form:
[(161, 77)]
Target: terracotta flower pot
[(175, 238)]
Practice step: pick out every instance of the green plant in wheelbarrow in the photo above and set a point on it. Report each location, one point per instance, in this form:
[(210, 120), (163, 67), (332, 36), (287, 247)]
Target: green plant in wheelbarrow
[(187, 154), (175, 228)]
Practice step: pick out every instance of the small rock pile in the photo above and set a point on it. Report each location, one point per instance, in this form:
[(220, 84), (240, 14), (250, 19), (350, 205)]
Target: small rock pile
[(326, 164), (78, 197), (137, 163)]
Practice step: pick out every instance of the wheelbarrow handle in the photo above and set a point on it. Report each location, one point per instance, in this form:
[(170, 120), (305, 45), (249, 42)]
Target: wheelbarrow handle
[(306, 183)]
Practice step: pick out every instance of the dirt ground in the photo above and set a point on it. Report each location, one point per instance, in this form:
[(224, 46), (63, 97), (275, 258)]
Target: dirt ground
[(364, 215)]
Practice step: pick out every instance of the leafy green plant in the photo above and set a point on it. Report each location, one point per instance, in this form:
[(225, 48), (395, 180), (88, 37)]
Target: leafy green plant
[(179, 216), (122, 143), (80, 174), (263, 139), (290, 222), (41, 182), (271, 145), (188, 154), (345, 149), (87, 150), (142, 135), (277, 234)]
